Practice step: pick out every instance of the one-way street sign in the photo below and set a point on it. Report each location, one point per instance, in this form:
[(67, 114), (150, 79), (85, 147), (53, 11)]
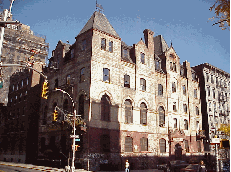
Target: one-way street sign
[(74, 136)]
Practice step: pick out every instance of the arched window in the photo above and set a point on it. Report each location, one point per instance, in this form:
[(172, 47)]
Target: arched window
[(127, 81), (197, 110), (105, 108), (173, 87), (81, 106), (128, 111), (162, 145), (161, 116), (186, 124), (143, 113), (160, 90)]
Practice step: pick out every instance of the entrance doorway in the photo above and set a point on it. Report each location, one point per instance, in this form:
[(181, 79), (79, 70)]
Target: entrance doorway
[(178, 152)]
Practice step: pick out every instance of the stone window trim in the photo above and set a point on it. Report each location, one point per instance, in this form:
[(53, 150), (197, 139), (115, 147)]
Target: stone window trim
[(106, 75), (72, 53), (175, 122), (143, 84), (126, 81), (195, 93), (103, 44), (142, 58), (208, 90), (128, 144), (128, 111), (143, 114), (84, 44), (184, 90), (186, 145), (174, 107), (161, 116), (68, 79), (105, 108), (158, 65), (143, 144), (173, 87), (111, 46), (185, 124), (162, 144), (185, 108), (125, 53), (82, 74), (160, 90), (197, 111)]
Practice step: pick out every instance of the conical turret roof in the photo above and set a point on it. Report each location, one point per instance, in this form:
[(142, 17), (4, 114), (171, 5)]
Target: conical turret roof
[(100, 22)]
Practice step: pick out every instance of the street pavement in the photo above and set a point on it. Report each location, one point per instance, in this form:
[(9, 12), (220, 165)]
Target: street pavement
[(32, 167)]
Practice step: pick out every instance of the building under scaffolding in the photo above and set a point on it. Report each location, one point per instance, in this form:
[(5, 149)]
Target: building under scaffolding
[(19, 45)]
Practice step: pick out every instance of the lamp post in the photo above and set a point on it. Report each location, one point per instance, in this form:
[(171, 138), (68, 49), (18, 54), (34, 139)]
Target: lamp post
[(73, 143)]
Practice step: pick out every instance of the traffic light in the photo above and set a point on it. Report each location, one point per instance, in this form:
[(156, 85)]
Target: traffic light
[(55, 115), (45, 90), (224, 144)]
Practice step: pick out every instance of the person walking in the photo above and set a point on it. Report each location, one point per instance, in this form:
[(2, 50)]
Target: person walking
[(202, 167), (126, 166)]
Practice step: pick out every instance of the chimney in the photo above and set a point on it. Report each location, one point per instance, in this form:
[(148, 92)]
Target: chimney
[(149, 40)]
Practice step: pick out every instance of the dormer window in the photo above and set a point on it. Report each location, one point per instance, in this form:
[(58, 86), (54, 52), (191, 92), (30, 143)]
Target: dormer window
[(142, 58), (72, 53), (103, 44), (84, 44), (125, 51)]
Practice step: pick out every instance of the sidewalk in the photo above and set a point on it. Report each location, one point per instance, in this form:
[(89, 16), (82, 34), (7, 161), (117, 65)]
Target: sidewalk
[(51, 169)]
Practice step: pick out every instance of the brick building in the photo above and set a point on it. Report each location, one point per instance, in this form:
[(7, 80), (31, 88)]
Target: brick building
[(139, 103), (18, 43), (215, 103), (19, 133)]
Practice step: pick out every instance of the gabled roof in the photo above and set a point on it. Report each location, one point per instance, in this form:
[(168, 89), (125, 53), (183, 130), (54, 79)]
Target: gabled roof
[(160, 45), (100, 22)]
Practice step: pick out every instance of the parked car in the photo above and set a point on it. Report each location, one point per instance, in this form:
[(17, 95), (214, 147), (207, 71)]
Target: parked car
[(175, 166), (163, 167), (191, 168)]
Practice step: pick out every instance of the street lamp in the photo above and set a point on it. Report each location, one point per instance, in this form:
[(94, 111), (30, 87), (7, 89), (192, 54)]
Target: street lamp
[(73, 143)]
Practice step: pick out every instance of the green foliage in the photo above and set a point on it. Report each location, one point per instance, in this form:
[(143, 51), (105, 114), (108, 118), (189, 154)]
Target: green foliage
[(225, 128)]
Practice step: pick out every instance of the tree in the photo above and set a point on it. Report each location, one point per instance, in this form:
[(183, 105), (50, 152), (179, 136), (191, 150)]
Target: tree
[(225, 128), (222, 12)]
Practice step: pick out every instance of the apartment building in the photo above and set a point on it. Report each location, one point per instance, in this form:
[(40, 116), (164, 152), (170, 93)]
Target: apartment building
[(138, 102)]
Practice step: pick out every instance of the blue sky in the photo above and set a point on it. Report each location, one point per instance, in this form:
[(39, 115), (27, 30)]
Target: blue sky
[(183, 22)]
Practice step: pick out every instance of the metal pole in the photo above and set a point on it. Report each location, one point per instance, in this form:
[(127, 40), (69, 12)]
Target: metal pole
[(73, 145), (5, 14), (217, 162)]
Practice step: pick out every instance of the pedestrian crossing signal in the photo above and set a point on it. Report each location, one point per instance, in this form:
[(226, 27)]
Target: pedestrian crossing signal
[(76, 147)]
